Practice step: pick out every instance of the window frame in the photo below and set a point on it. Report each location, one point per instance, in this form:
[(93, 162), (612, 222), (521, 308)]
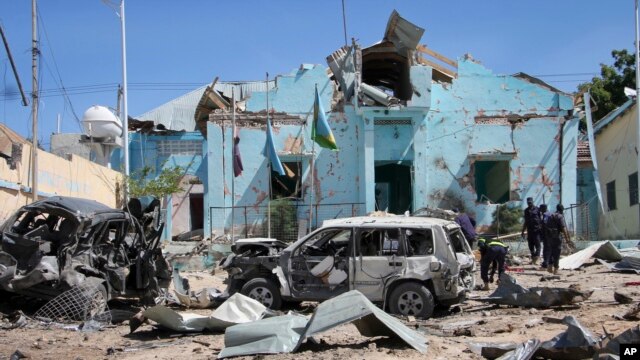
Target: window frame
[(611, 195), (482, 196), (633, 190)]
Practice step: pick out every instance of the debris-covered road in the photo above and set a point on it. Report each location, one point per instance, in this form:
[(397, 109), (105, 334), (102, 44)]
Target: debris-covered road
[(448, 334)]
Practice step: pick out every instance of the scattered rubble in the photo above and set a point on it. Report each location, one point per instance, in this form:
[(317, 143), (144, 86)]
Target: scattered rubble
[(509, 292)]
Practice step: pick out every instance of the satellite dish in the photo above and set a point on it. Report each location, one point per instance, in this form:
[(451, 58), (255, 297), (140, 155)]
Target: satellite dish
[(99, 122)]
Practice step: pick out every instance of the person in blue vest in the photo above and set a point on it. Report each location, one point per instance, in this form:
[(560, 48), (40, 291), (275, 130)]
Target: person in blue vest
[(556, 230), (545, 214), (494, 250), (467, 225), (533, 226)]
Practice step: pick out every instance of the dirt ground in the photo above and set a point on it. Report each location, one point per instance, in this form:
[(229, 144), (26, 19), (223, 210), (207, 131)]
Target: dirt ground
[(484, 323)]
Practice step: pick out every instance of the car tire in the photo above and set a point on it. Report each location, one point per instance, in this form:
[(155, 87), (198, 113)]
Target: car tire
[(263, 290), (412, 299), (97, 302)]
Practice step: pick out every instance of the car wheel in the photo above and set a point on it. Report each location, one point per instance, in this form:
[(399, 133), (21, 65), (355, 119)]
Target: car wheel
[(412, 299), (263, 290), (97, 302)]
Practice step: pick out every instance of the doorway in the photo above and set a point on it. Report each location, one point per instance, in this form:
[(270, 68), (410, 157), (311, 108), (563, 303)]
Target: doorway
[(196, 210), (393, 189)]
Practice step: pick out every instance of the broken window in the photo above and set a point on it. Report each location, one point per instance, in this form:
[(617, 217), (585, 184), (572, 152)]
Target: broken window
[(611, 195), (633, 189), (457, 240), (380, 242), (419, 242), (492, 180), (288, 185)]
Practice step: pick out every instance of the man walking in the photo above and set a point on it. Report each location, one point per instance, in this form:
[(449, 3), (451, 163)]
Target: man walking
[(533, 226), (557, 228)]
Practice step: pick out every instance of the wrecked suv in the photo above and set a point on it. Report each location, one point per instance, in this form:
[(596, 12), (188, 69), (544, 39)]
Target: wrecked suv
[(52, 245), (408, 264)]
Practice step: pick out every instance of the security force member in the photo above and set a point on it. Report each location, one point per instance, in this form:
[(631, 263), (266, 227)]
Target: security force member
[(495, 250), (556, 229)]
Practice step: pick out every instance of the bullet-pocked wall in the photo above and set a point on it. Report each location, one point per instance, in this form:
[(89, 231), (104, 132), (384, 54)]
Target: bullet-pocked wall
[(336, 177), (494, 139), (480, 140)]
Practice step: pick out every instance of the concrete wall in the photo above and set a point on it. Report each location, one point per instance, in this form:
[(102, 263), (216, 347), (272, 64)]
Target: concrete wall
[(616, 150), (76, 177), (441, 133), (467, 123)]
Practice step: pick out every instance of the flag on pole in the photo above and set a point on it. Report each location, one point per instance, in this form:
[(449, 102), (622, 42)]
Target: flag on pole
[(270, 153), (237, 160), (320, 130)]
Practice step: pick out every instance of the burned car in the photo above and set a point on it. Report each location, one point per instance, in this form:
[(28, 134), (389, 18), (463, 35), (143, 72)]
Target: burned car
[(54, 244), (409, 265)]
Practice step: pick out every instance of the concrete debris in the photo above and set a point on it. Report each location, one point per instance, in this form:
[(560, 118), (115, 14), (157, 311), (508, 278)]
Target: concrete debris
[(630, 336), (604, 250), (624, 297), (285, 334), (509, 292)]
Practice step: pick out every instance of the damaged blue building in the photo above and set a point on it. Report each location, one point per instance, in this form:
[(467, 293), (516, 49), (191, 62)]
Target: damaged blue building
[(414, 129)]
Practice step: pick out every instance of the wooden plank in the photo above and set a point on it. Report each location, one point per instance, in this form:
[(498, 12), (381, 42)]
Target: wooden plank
[(439, 68), (425, 50)]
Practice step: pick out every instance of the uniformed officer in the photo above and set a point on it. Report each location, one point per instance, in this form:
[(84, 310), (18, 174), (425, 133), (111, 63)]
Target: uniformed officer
[(533, 226), (556, 229), (495, 250)]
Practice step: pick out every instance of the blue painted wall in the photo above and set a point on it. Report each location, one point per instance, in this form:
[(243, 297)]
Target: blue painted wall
[(440, 133), (143, 151)]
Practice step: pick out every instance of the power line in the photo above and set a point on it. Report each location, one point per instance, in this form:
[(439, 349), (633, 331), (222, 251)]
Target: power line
[(61, 84)]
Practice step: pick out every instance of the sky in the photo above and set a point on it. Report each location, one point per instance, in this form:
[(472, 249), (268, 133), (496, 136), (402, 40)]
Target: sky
[(176, 46)]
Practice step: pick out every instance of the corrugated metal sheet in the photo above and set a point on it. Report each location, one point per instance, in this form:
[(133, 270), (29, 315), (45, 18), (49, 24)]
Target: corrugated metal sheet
[(179, 113), (243, 89)]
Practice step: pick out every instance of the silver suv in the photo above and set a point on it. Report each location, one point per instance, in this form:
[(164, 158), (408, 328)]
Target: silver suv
[(407, 264)]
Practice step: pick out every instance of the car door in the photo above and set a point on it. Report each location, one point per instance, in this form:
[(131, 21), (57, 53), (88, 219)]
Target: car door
[(379, 257), (318, 267)]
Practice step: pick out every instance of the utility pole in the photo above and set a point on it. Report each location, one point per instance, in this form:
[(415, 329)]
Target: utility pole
[(125, 115), (34, 103)]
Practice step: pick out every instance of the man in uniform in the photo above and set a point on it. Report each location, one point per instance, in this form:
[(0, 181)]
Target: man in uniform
[(545, 214), (556, 228), (496, 251), (533, 226)]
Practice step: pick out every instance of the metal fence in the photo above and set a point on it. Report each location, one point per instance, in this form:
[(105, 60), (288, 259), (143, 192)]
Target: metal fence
[(287, 220), (580, 222)]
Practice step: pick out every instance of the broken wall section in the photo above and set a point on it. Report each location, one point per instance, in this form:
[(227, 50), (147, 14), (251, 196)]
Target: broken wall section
[(495, 131)]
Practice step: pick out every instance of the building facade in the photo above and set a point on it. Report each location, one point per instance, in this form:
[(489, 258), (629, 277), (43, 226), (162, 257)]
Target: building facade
[(412, 134)]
